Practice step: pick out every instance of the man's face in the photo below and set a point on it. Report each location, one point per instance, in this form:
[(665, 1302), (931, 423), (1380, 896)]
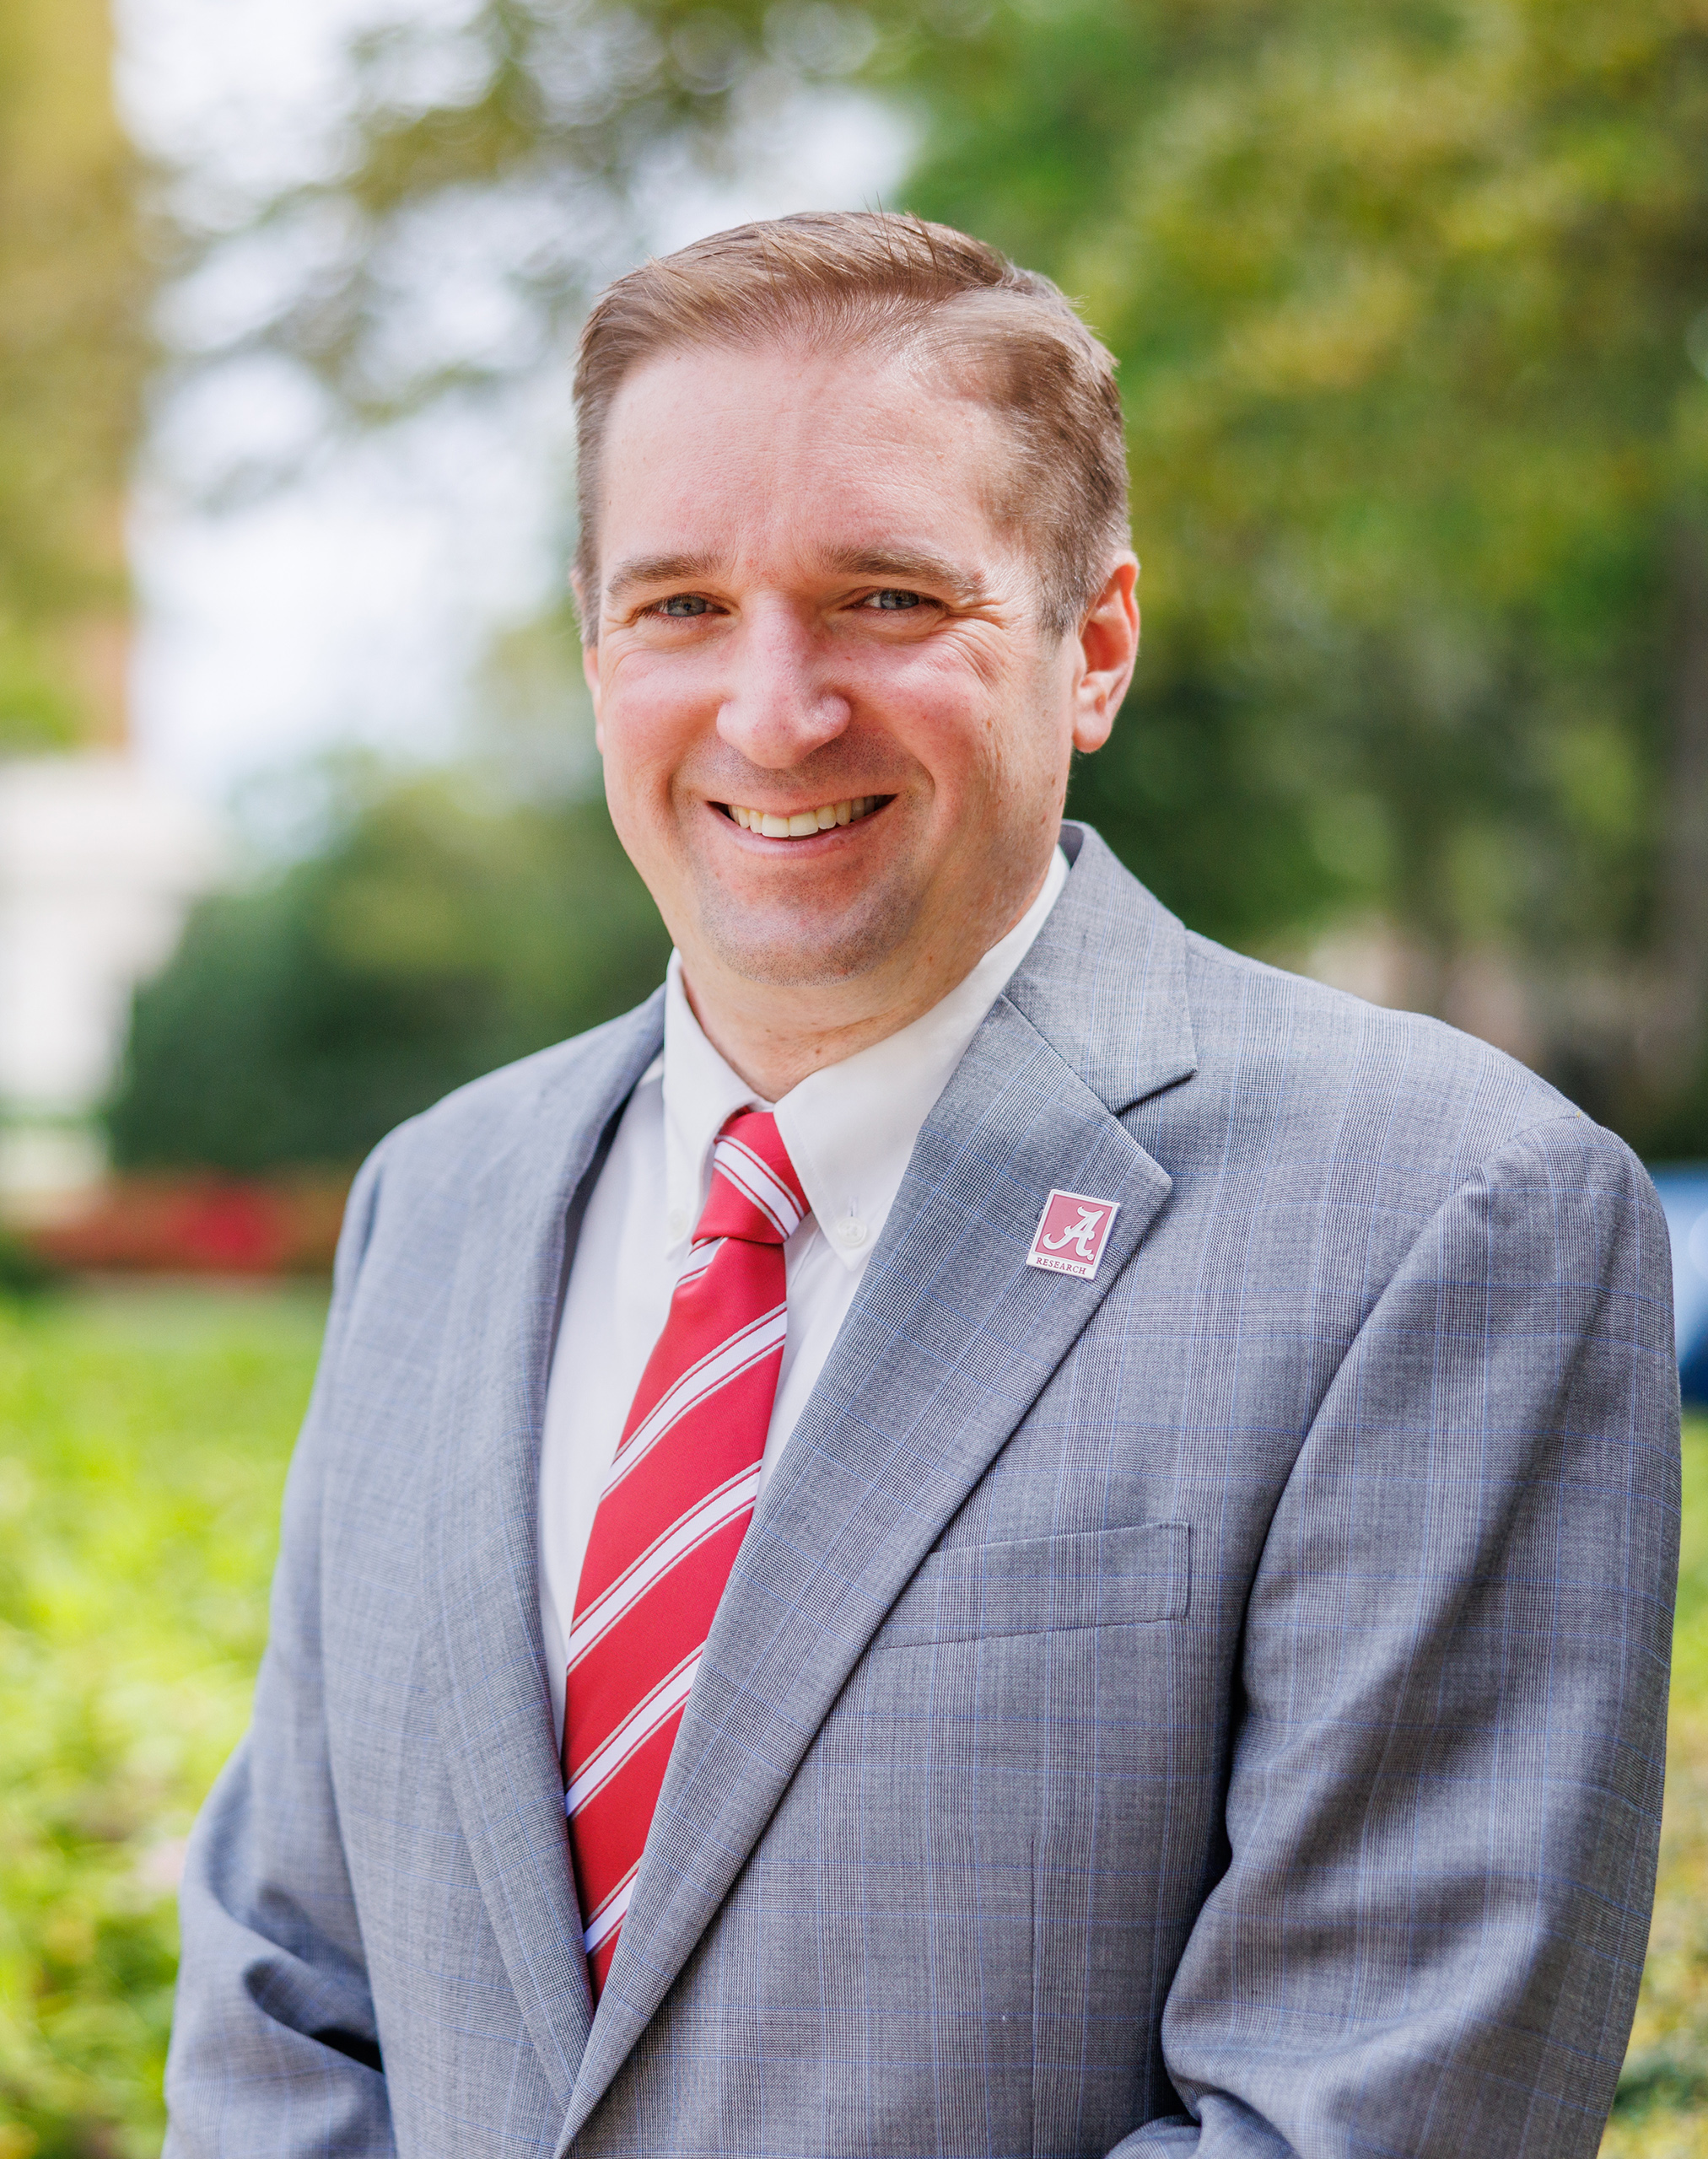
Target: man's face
[(836, 740)]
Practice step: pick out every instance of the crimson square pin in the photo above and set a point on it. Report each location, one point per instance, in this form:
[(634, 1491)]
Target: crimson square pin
[(1071, 1234)]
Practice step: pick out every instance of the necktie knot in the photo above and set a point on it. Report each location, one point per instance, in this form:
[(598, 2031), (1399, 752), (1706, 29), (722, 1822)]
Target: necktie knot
[(755, 1195)]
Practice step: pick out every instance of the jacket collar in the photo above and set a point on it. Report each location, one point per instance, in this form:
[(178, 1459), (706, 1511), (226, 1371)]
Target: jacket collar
[(1105, 983)]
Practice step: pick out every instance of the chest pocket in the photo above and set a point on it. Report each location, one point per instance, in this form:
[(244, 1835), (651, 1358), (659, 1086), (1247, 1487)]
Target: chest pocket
[(1131, 1577)]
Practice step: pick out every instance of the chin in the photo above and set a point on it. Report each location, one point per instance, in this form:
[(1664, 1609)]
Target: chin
[(797, 950)]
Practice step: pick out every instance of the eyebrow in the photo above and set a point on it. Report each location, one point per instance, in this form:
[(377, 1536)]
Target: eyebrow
[(904, 567), (663, 570), (909, 567)]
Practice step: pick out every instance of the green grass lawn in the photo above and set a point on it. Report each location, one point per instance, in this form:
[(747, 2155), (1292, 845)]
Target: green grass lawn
[(143, 1438)]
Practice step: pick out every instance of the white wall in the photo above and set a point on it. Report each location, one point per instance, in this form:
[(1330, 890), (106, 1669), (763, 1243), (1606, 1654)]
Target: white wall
[(99, 862)]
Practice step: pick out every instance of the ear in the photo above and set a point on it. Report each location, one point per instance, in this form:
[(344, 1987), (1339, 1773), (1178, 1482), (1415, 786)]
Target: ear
[(1108, 648)]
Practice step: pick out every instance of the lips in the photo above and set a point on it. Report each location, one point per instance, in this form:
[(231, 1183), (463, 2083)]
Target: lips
[(801, 824)]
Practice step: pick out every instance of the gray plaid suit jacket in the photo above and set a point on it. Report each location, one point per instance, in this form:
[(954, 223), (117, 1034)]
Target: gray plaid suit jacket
[(1216, 1708)]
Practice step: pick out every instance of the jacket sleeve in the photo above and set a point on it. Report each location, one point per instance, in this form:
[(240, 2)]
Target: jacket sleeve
[(275, 2053), (1445, 1786)]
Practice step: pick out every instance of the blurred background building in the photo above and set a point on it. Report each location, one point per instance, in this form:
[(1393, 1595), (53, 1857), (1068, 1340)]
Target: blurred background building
[(99, 863), (1411, 307), (99, 858)]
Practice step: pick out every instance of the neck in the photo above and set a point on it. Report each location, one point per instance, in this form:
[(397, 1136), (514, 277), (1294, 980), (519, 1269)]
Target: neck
[(774, 1035)]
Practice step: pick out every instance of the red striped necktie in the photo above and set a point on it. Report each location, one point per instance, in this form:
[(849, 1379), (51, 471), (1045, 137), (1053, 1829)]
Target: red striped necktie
[(675, 1508)]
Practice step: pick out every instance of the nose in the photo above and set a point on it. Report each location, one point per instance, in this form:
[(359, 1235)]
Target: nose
[(777, 707)]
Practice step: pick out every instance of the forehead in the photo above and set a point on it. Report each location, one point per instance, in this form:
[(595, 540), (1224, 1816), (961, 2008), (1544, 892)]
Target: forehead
[(770, 451)]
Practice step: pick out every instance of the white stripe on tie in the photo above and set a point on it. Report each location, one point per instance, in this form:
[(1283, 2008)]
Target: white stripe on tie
[(700, 1257), (609, 1916), (716, 1368), (635, 1729), (734, 1496), (750, 1174)]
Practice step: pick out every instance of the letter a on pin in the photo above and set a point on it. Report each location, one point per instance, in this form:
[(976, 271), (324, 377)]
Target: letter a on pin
[(1071, 1234)]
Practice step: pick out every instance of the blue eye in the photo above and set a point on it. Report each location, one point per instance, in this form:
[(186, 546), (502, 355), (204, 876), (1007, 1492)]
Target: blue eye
[(891, 601), (684, 603)]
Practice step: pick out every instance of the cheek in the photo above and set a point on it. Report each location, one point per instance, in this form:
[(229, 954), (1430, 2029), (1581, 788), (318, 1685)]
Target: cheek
[(939, 705), (974, 724), (649, 716)]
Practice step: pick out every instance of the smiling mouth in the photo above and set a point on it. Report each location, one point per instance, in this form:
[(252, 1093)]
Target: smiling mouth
[(801, 824)]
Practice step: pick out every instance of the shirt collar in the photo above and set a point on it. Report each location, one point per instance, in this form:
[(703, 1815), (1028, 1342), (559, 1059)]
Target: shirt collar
[(849, 1127)]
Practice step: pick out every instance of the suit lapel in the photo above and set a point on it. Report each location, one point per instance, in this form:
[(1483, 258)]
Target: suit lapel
[(483, 1658), (1105, 982), (949, 1342)]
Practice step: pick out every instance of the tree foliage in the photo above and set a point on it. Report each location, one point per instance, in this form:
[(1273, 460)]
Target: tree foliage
[(488, 179), (1409, 301), (1409, 305), (432, 937), (74, 283)]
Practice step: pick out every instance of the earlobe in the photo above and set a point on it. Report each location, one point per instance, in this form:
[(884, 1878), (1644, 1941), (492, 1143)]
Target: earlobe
[(1092, 726)]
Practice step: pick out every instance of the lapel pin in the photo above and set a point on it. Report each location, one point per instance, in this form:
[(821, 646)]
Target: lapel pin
[(1071, 1234)]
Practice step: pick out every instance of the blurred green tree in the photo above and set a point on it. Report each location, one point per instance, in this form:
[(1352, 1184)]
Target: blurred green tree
[(74, 287), (433, 936), (1411, 302)]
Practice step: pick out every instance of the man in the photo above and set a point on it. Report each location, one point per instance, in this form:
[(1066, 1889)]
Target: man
[(1193, 1678)]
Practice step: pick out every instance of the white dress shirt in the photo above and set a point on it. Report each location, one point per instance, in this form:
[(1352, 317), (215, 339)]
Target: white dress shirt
[(849, 1129)]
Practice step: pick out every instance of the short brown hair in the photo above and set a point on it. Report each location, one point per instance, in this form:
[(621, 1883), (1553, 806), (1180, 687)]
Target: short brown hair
[(849, 278)]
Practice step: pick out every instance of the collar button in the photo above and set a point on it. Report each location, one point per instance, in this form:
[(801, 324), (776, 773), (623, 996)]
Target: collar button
[(851, 1233)]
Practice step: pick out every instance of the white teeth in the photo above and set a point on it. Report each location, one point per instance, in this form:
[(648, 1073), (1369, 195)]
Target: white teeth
[(799, 823)]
